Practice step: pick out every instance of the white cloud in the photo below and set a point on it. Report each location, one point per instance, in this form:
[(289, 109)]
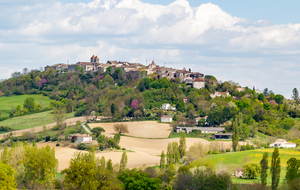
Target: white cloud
[(205, 38)]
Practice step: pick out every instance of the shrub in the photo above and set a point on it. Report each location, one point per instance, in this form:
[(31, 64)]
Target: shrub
[(57, 144), (38, 139), (81, 146), (54, 139), (47, 138), (123, 148)]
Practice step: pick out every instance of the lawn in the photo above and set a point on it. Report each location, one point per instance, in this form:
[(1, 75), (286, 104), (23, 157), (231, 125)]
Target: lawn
[(12, 101), (237, 159), (32, 120)]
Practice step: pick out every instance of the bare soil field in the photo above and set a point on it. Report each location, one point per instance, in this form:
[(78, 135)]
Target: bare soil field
[(70, 121), (145, 129)]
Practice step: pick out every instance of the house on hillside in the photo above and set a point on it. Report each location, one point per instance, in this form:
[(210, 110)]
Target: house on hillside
[(166, 118), (239, 172), (221, 136), (198, 119), (167, 106), (219, 94), (199, 83), (282, 143), (83, 137)]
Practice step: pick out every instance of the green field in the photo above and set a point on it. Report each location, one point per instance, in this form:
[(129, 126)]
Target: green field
[(237, 159), (32, 120), (12, 101)]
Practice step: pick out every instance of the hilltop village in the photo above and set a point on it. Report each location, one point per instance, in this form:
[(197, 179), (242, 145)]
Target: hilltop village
[(135, 70)]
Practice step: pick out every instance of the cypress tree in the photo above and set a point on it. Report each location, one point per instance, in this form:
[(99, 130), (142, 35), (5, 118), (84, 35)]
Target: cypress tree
[(109, 166), (169, 154), (4, 155), (176, 154), (275, 169), (264, 169), (102, 162), (162, 160)]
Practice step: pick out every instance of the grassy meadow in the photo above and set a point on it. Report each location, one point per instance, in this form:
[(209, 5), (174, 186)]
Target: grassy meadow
[(7, 102), (233, 160), (32, 120)]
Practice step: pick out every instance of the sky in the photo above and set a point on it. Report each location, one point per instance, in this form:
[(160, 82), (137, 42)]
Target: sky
[(254, 43)]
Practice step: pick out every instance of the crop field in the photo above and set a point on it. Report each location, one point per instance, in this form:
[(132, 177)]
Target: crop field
[(12, 101), (234, 160), (145, 129)]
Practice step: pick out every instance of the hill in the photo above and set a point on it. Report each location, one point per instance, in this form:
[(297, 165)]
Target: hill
[(234, 160), (7, 102)]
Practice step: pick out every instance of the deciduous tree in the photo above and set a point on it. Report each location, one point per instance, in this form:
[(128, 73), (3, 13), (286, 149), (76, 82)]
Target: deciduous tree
[(7, 177), (292, 169), (275, 169), (162, 160), (182, 145), (123, 162), (121, 128)]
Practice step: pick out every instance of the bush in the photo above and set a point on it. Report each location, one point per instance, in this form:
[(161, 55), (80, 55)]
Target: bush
[(123, 148), (47, 138), (57, 144), (81, 146), (227, 150), (38, 139), (55, 128), (54, 139), (118, 147)]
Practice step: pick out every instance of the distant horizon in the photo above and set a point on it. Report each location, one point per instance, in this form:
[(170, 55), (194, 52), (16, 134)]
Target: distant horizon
[(252, 43)]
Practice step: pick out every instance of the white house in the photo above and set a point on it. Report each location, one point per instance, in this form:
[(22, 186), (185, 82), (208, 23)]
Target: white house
[(283, 143), (199, 83), (166, 118), (84, 137), (198, 119), (219, 94), (167, 106)]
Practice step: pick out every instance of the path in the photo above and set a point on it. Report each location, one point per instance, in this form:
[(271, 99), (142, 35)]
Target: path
[(70, 121), (85, 128)]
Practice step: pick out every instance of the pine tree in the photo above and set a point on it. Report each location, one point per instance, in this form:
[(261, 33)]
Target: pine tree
[(275, 169), (264, 169), (162, 160), (182, 145), (123, 162), (295, 95)]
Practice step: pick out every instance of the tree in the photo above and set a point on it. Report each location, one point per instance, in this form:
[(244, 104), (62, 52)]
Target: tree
[(101, 141), (117, 138), (261, 97), (84, 172), (78, 69), (292, 169), (40, 166), (295, 95), (7, 177), (162, 160), (4, 155), (275, 169), (58, 116), (123, 162), (266, 92), (97, 131), (29, 104), (169, 154), (182, 145), (109, 166), (176, 154), (251, 170), (264, 169), (113, 109), (235, 131), (134, 179), (121, 128)]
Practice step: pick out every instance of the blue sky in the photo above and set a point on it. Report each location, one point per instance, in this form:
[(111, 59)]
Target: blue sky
[(254, 43)]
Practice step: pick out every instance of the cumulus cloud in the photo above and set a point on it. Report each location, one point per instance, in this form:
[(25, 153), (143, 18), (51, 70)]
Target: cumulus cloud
[(205, 38)]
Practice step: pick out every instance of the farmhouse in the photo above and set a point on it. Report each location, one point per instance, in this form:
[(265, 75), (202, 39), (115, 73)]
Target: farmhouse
[(221, 136), (239, 172), (202, 129), (282, 143), (82, 138), (166, 118)]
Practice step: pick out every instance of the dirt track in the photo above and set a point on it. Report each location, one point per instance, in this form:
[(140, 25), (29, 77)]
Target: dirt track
[(70, 121)]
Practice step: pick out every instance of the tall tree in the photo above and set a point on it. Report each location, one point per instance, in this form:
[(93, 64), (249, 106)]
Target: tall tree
[(264, 169), (266, 92), (182, 145), (295, 95), (109, 166), (113, 109), (275, 169), (169, 154), (121, 128), (162, 160), (176, 154), (4, 155), (292, 169), (123, 162), (29, 104), (236, 130), (58, 115)]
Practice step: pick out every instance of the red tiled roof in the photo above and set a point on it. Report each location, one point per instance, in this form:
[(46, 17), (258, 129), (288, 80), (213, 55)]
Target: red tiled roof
[(199, 80)]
